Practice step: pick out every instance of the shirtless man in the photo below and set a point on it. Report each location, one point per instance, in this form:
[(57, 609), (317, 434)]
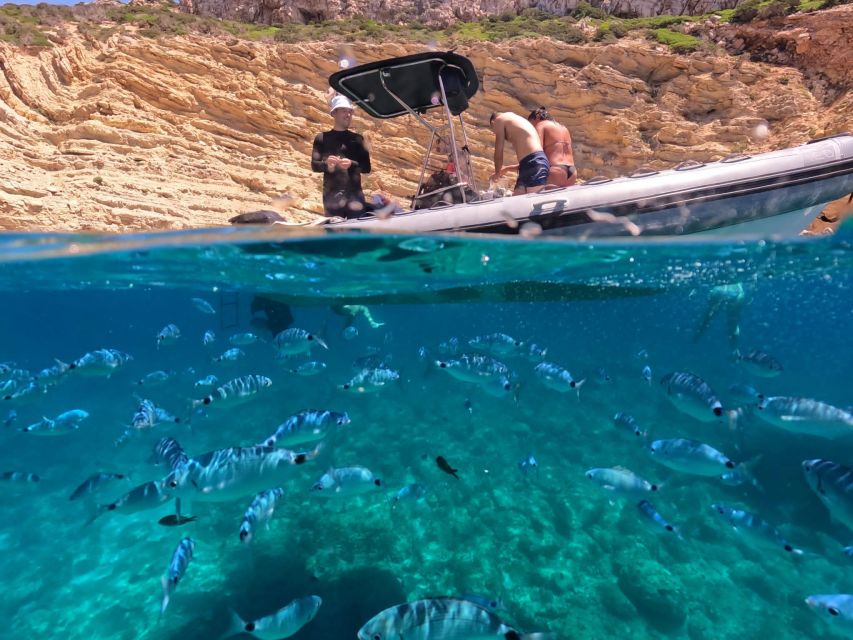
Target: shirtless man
[(533, 165), (557, 144)]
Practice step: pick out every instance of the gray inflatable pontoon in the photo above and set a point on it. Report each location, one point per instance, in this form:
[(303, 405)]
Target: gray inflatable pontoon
[(776, 193)]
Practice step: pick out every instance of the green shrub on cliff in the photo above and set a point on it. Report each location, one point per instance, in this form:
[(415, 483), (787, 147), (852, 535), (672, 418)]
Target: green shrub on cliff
[(678, 42)]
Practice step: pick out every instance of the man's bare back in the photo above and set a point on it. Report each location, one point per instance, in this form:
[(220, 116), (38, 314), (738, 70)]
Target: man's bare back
[(526, 143)]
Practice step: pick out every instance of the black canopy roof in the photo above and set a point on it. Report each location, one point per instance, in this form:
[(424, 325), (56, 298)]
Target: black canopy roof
[(414, 79)]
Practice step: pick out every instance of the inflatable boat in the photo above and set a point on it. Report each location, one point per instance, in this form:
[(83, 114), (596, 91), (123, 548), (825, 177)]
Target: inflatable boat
[(775, 194)]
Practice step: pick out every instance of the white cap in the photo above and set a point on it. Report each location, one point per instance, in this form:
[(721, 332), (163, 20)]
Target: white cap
[(340, 102)]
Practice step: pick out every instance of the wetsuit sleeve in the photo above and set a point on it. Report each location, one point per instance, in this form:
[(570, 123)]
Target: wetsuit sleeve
[(362, 155), (318, 164)]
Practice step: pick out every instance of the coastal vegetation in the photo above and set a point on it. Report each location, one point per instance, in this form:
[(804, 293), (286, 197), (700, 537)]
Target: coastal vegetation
[(43, 24)]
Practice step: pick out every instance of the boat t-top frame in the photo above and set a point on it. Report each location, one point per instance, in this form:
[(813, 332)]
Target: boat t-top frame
[(413, 85)]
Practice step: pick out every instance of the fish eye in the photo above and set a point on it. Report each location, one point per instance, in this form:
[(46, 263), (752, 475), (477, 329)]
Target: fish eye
[(718, 411), (442, 365), (507, 387), (833, 611), (250, 626), (377, 482), (310, 337), (173, 484), (720, 510), (377, 636)]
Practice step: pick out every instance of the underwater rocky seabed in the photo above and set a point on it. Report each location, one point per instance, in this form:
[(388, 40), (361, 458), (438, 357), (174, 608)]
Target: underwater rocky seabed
[(561, 553)]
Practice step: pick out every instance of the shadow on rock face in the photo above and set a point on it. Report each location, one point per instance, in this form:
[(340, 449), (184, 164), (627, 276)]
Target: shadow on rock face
[(349, 600)]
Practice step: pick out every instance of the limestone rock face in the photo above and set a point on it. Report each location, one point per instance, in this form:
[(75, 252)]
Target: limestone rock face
[(140, 134)]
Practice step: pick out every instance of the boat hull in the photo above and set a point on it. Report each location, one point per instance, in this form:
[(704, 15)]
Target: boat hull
[(774, 194)]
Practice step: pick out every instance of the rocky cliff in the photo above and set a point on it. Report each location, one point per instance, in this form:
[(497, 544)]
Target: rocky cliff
[(134, 133), (430, 12)]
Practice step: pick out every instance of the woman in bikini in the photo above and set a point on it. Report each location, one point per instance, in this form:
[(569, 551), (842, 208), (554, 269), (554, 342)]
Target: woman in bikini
[(557, 144)]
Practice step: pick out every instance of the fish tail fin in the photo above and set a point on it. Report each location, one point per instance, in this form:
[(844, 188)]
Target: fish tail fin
[(99, 509), (166, 595), (539, 635), (236, 625), (578, 386)]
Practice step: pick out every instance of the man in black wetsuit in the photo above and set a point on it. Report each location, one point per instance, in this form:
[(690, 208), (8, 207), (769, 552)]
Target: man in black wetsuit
[(341, 156)]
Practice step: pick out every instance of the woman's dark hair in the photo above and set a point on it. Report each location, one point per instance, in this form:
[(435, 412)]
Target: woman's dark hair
[(540, 114)]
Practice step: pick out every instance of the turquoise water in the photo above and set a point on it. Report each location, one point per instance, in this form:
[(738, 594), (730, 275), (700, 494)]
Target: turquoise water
[(561, 553)]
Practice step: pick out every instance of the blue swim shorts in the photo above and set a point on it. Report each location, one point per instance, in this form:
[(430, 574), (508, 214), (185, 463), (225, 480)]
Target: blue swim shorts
[(533, 170)]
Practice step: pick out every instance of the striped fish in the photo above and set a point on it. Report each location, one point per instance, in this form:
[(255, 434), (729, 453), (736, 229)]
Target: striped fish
[(279, 625), (806, 416), (835, 608), (441, 618), (833, 484), (260, 510), (690, 456), (556, 377), (759, 363), (171, 452), (235, 472), (177, 568), (692, 395), (750, 524), (102, 362), (306, 426), (236, 390)]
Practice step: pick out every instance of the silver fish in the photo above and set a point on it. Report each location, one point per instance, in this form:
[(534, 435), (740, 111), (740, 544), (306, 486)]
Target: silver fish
[(806, 416), (282, 624), (371, 380), (310, 368), (168, 335), (345, 482), (444, 618), (181, 558), (203, 305), (759, 363), (169, 451), (207, 381), (449, 347), (30, 391), (260, 510), (143, 497), (102, 362), (648, 511), (294, 341), (231, 355), (621, 481), (236, 391), (52, 375), (692, 395), (535, 353), (628, 423), (835, 608), (235, 472), (749, 524), (497, 344), (306, 426), (833, 485), (63, 424), (208, 338), (155, 378), (94, 483), (557, 378), (243, 339), (474, 367), (690, 456), (414, 492), (647, 374)]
